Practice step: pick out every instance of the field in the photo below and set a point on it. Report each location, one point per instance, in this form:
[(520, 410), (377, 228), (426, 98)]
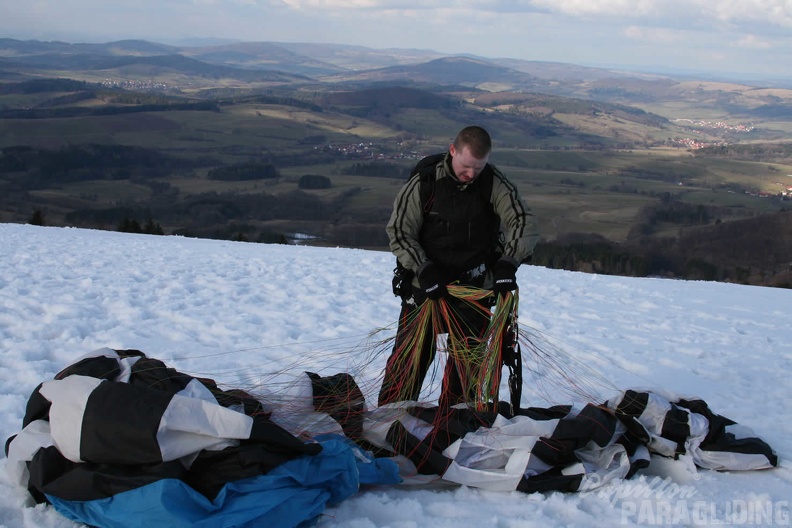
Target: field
[(591, 191), (597, 160)]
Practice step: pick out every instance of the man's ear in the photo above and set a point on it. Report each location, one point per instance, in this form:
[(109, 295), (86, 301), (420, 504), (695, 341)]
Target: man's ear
[(452, 150)]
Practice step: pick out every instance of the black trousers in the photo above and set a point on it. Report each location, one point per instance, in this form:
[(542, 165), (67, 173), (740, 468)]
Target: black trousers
[(400, 382)]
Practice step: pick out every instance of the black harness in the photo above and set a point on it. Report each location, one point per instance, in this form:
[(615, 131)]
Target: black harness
[(462, 247)]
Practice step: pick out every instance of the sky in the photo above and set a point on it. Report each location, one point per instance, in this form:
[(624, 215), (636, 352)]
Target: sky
[(742, 38), (249, 314)]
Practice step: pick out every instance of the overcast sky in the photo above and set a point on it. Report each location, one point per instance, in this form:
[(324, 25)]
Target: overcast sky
[(743, 37)]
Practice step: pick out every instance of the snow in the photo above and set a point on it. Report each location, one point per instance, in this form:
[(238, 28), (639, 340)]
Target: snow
[(250, 315)]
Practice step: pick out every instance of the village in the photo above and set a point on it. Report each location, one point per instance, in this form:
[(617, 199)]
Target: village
[(715, 124)]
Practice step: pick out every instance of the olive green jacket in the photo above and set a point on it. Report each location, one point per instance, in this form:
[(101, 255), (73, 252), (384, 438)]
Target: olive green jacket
[(518, 225)]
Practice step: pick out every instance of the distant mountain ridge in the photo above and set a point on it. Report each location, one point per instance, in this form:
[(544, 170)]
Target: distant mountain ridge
[(346, 65), (298, 57), (268, 65)]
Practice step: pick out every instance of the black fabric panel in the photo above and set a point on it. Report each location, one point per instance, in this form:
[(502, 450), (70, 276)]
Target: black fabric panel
[(341, 398), (213, 469), (592, 423), (8, 444), (717, 423), (749, 446), (556, 451), (234, 397), (631, 441), (129, 352), (633, 403), (718, 439), (555, 412), (54, 475), (120, 424), (635, 429), (99, 367), (451, 424), (251, 406), (278, 439), (427, 458), (552, 480), (449, 236), (37, 407), (676, 427), (153, 374)]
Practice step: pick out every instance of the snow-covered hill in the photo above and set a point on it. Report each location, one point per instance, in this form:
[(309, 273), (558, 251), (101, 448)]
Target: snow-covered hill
[(245, 314)]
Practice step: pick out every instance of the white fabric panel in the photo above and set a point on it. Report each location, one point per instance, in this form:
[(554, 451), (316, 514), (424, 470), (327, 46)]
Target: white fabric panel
[(196, 389), (189, 425), (496, 458), (602, 464), (699, 425), (295, 395), (99, 352), (723, 460), (662, 446), (740, 431), (574, 469), (504, 478), (308, 424), (618, 431), (729, 461), (655, 413), (293, 409), (35, 436), (377, 422), (69, 397), (641, 453), (298, 396), (699, 428), (504, 431), (536, 466), (125, 364)]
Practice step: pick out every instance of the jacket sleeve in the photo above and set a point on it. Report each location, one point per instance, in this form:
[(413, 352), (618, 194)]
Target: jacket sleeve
[(519, 227), (405, 224)]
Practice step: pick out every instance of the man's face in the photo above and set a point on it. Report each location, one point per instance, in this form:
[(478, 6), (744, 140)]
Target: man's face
[(465, 165)]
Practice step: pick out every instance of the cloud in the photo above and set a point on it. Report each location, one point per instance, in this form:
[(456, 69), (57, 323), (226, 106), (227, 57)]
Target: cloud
[(222, 2), (334, 5), (651, 12), (751, 34), (653, 35), (626, 8), (683, 12), (753, 42), (778, 12)]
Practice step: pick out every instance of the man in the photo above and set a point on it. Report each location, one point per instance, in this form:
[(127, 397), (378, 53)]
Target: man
[(459, 221)]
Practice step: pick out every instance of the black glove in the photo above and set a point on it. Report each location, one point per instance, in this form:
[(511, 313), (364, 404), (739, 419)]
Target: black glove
[(432, 282), (504, 275)]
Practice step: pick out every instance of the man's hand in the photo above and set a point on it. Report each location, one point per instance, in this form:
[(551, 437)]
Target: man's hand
[(431, 282), (504, 275)]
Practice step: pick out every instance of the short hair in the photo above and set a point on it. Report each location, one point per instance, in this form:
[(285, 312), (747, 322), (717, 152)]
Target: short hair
[(476, 139)]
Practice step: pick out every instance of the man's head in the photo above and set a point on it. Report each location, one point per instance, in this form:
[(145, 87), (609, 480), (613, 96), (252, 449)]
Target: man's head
[(470, 152)]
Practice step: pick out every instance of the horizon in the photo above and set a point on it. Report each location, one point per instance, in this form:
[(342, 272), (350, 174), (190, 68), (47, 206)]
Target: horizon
[(679, 73), (702, 37)]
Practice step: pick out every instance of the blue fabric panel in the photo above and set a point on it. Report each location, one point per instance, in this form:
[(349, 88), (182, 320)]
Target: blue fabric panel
[(378, 471), (291, 495)]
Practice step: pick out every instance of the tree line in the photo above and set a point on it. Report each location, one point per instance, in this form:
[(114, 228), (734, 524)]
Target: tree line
[(709, 245), (44, 168), (747, 251)]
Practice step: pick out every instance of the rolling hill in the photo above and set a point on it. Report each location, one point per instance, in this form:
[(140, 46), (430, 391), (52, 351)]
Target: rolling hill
[(601, 153)]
